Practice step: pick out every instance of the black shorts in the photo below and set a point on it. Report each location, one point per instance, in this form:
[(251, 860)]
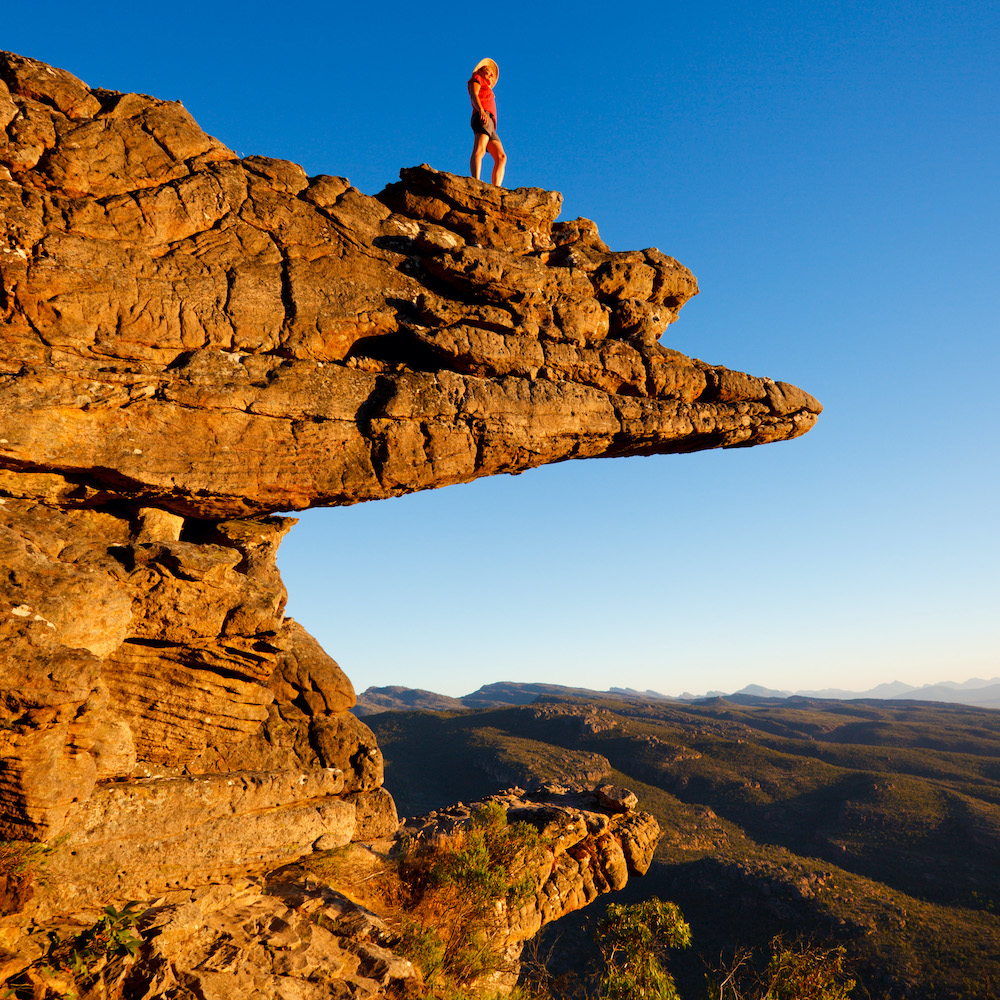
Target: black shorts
[(490, 128)]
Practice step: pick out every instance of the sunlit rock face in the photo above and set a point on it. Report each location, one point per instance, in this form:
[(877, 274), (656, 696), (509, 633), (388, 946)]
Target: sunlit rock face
[(223, 337), (192, 342)]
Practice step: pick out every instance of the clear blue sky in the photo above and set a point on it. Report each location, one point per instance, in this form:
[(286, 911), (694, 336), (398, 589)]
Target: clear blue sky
[(829, 172)]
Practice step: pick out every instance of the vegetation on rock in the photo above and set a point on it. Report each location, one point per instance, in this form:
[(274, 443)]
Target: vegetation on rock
[(90, 963), (459, 887), (20, 861)]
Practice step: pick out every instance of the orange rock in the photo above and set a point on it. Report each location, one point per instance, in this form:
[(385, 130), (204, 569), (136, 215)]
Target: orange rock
[(190, 342)]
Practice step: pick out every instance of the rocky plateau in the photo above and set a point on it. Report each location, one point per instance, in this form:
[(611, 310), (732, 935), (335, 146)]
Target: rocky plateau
[(193, 344)]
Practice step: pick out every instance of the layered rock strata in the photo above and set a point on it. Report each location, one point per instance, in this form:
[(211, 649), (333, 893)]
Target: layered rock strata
[(191, 343), (594, 841), (293, 933), (223, 337), (133, 655)]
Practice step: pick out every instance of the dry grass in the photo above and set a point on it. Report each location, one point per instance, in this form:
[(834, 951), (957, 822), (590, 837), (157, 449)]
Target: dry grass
[(362, 875), (20, 864)]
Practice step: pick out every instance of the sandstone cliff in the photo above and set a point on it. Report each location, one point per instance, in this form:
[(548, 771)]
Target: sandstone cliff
[(193, 342)]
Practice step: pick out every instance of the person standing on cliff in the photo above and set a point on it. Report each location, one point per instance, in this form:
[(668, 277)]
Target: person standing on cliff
[(484, 120)]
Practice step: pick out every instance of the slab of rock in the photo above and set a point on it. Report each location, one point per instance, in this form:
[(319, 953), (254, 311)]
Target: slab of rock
[(140, 644), (617, 799), (293, 738), (133, 840), (223, 337), (123, 654)]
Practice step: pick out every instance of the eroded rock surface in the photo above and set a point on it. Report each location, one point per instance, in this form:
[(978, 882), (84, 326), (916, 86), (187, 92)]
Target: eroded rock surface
[(190, 343), (595, 839), (313, 929), (223, 337)]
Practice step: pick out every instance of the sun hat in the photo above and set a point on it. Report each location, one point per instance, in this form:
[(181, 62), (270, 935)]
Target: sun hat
[(492, 65)]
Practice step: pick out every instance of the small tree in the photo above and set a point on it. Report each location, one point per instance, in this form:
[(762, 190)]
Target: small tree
[(633, 941), (807, 973), (796, 971)]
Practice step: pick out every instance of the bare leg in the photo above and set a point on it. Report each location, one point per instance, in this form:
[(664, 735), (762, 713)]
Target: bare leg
[(478, 151), (495, 146)]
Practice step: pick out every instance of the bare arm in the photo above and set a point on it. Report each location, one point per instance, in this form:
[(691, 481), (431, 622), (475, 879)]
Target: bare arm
[(474, 84)]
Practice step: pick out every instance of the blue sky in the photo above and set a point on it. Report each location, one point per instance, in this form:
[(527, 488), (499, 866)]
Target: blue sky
[(830, 174)]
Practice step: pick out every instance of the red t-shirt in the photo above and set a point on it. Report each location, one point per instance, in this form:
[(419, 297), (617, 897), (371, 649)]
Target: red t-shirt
[(486, 98)]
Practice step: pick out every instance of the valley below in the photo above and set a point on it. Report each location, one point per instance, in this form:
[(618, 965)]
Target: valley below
[(867, 824)]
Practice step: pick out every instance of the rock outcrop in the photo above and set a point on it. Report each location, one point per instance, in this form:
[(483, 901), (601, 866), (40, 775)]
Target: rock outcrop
[(222, 337), (192, 343), (314, 930), (595, 839)]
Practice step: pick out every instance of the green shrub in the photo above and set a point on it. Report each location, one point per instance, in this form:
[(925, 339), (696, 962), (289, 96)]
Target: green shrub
[(490, 862), (456, 888), (423, 947), (633, 941)]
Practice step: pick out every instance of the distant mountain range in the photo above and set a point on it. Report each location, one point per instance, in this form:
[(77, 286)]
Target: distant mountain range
[(975, 692), (498, 695)]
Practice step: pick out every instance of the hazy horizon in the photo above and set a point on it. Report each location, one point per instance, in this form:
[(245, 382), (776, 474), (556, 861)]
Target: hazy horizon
[(901, 688)]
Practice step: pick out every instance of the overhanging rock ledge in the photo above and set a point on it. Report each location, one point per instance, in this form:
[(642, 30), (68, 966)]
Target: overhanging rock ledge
[(191, 342), (222, 337)]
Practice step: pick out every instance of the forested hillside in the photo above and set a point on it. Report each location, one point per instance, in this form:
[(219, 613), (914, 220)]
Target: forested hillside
[(869, 824)]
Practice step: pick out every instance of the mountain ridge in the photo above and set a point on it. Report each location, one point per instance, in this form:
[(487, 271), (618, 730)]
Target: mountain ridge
[(974, 692)]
